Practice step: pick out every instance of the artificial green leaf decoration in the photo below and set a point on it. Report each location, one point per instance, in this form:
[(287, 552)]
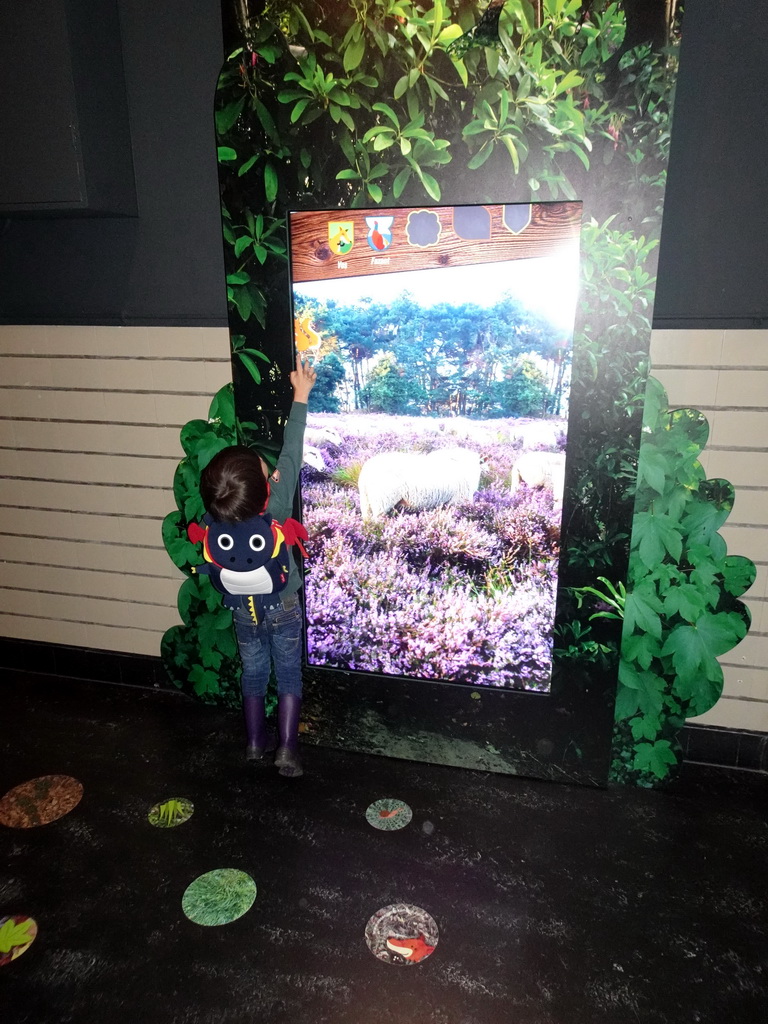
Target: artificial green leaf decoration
[(655, 758), (685, 600), (658, 535), (738, 574), (16, 933), (200, 656), (681, 611), (642, 610), (182, 551)]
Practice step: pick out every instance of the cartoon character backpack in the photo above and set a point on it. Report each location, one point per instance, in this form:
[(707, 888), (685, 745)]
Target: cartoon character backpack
[(247, 559)]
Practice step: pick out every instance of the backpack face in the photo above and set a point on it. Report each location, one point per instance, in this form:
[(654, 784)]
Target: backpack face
[(246, 559), (241, 547)]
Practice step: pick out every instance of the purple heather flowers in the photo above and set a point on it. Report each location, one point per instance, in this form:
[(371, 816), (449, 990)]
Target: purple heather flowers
[(462, 593)]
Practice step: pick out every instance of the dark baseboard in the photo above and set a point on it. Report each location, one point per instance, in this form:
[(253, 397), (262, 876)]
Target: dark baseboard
[(726, 748), (702, 744), (84, 663)]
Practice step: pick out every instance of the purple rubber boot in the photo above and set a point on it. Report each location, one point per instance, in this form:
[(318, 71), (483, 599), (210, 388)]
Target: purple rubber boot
[(259, 739), (287, 758)]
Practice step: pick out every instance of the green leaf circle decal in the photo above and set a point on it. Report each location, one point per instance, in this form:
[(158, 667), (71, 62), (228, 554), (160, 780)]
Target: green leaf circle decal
[(17, 934), (219, 897), (172, 812)]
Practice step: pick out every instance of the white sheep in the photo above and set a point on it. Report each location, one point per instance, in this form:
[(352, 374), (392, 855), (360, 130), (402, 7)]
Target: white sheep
[(465, 429), (417, 481), (318, 435), (313, 457), (538, 470)]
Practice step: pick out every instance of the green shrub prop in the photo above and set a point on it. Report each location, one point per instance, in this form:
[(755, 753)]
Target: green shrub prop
[(681, 610), (200, 656)]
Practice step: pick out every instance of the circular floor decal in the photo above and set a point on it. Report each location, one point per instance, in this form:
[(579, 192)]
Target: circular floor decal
[(219, 896), (388, 814), (16, 936), (40, 801), (401, 934), (171, 812)]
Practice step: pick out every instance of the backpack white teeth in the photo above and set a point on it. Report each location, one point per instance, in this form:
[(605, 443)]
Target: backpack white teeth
[(257, 581)]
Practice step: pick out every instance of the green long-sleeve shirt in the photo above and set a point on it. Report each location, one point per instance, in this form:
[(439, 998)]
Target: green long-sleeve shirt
[(283, 490)]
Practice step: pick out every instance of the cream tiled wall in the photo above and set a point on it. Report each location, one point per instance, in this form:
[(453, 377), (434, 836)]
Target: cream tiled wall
[(724, 374), (89, 441)]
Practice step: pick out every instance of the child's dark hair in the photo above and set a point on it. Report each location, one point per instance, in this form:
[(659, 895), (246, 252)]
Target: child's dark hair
[(233, 485)]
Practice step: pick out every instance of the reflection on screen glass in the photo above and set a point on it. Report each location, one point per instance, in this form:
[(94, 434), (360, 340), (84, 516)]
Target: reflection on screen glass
[(435, 450)]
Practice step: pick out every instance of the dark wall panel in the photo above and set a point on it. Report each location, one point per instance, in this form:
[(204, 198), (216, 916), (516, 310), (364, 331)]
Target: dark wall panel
[(713, 241), (164, 266)]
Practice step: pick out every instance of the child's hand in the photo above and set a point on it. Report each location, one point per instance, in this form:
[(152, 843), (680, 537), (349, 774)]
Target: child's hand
[(303, 379)]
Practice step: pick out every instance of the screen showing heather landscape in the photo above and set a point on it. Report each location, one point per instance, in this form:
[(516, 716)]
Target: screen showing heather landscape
[(434, 461)]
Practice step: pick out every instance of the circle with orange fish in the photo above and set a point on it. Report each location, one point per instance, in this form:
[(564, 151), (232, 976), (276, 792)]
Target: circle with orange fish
[(388, 814), (401, 934)]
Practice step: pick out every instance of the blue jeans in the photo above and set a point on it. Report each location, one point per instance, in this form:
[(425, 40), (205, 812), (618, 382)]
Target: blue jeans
[(277, 637)]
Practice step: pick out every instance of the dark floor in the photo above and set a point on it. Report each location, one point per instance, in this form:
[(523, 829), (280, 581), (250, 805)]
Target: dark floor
[(555, 904)]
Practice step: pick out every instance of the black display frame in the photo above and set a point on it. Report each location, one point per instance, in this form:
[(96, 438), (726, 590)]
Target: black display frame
[(563, 735), (567, 734)]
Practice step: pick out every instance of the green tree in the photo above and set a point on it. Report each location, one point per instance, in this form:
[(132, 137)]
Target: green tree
[(524, 392), (389, 388), (330, 373)]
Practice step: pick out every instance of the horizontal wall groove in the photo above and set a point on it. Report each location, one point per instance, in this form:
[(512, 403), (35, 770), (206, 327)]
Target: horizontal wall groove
[(34, 319), (743, 322), (736, 448), (79, 451), (84, 512), (83, 622), (717, 367), (701, 407), (106, 391), (83, 540), (108, 358), (97, 423), (89, 568), (743, 700), (92, 597), (88, 483)]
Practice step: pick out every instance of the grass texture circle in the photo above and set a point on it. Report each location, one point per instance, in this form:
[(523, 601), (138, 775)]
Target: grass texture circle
[(401, 934), (170, 813), (388, 814), (17, 934), (40, 801), (219, 897)]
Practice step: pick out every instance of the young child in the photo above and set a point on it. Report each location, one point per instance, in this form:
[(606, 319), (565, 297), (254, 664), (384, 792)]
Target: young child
[(235, 486)]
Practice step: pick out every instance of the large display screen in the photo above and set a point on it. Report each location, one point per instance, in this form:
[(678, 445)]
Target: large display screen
[(435, 452)]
